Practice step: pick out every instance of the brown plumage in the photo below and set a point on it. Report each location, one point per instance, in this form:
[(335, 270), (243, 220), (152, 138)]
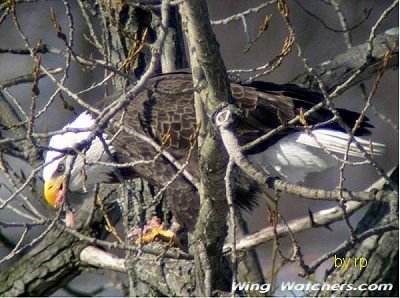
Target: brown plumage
[(165, 106)]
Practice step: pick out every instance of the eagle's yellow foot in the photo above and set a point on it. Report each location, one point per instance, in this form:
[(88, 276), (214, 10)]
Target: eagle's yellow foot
[(155, 230)]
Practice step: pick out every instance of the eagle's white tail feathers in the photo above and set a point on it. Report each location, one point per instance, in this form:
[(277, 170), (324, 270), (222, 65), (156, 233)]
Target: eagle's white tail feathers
[(299, 154), (337, 142)]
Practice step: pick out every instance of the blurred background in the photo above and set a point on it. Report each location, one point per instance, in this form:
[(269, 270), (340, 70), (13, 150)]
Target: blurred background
[(318, 44)]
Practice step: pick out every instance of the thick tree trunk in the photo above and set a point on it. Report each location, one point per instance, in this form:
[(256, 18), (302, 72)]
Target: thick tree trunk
[(55, 260), (49, 266)]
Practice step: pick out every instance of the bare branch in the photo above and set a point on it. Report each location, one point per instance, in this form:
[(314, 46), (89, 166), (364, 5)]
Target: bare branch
[(93, 256)]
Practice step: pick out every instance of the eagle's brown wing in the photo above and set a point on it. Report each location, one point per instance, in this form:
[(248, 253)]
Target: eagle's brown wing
[(164, 109), (163, 112)]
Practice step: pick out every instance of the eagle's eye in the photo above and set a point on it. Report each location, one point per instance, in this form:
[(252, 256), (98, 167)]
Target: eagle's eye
[(61, 168)]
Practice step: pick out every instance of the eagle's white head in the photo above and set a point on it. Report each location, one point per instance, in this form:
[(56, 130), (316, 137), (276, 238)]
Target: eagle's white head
[(84, 170)]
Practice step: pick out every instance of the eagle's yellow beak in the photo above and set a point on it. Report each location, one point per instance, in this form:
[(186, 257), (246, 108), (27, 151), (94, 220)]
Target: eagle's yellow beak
[(53, 190)]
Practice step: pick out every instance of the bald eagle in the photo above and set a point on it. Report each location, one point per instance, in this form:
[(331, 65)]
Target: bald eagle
[(165, 108)]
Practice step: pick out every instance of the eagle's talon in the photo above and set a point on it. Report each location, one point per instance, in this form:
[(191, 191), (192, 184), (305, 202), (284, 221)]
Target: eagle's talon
[(155, 230)]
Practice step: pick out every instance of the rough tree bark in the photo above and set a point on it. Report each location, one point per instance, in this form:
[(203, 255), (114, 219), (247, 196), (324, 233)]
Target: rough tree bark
[(210, 73), (121, 23), (55, 260)]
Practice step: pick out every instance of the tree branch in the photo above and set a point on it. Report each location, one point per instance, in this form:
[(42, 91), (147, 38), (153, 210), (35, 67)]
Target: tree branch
[(212, 85), (336, 71)]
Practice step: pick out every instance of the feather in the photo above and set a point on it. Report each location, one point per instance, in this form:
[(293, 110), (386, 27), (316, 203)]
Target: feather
[(337, 142), (165, 108), (300, 153)]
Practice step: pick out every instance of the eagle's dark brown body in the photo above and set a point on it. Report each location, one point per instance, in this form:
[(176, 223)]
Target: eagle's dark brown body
[(165, 107)]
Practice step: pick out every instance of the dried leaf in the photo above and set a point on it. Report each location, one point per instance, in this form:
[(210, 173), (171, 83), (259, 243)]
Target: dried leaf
[(302, 118), (56, 25), (283, 8), (11, 5), (264, 26)]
